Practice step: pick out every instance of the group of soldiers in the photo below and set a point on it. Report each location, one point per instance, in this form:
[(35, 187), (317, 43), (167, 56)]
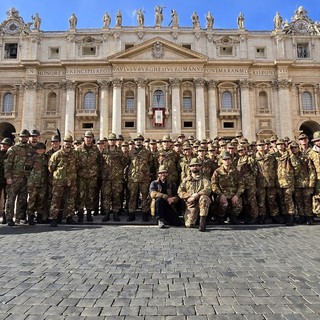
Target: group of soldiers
[(182, 181)]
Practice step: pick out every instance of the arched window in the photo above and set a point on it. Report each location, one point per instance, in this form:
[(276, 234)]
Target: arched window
[(130, 103), (158, 99), (263, 102), (187, 101), (226, 101), (89, 101), (52, 102), (307, 101), (7, 106)]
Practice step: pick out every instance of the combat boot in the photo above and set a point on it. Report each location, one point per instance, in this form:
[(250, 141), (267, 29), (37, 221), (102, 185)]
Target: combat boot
[(31, 221), (309, 221), (70, 221), (301, 220), (116, 216), (89, 216), (4, 219), (132, 216), (53, 223), (289, 220), (80, 216), (145, 216), (203, 224), (11, 223), (106, 217)]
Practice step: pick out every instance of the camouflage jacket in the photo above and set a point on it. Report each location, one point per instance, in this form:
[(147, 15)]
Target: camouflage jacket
[(89, 161), (248, 168), (3, 156), (191, 185), (18, 162), (207, 167), (39, 173), (184, 167), (139, 168), (304, 170), (314, 155), (113, 164), (285, 170), (267, 170), (171, 162), (227, 182), (64, 166)]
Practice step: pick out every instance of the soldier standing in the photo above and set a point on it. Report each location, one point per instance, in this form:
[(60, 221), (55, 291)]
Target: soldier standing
[(227, 185), (63, 164), (16, 170), (89, 167), (195, 191), (139, 178), (113, 165)]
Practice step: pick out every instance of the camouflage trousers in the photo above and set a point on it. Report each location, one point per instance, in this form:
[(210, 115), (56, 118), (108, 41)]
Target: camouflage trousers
[(303, 200), (286, 201), (86, 193), (225, 209), (17, 191), (36, 201), (250, 200), (267, 199), (111, 195), (316, 199), (67, 194), (196, 209), (135, 188)]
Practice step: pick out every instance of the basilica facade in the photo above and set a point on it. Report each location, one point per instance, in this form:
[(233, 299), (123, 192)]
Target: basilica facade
[(196, 80)]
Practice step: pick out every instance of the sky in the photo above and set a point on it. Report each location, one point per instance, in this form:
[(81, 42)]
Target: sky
[(258, 13)]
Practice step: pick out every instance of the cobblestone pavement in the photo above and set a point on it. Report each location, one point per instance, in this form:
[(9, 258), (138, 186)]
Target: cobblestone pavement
[(143, 272)]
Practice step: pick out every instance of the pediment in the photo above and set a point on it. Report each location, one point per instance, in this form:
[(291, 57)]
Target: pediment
[(157, 50)]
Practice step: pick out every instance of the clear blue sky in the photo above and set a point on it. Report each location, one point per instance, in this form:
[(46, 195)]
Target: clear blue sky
[(258, 13)]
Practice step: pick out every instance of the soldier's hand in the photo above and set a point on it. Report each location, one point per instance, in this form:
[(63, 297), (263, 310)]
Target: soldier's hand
[(9, 181), (170, 200), (234, 200), (223, 199)]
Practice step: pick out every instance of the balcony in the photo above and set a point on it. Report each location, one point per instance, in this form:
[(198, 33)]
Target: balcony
[(229, 113), (8, 115), (87, 114), (308, 112)]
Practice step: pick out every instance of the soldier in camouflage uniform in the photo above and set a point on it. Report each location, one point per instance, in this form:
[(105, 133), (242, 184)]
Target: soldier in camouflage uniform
[(113, 165), (64, 165), (5, 144), (195, 190), (37, 184), (304, 182), (34, 138), (125, 190), (286, 182), (185, 161), (206, 164), (139, 178), (314, 154), (17, 167), (89, 167), (227, 185), (249, 170), (304, 143), (266, 183)]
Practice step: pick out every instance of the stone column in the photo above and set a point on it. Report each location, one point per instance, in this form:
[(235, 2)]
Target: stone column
[(30, 105), (212, 106), (275, 91), (247, 123), (200, 109), (70, 107), (141, 106), (104, 108), (176, 106), (285, 110), (116, 106)]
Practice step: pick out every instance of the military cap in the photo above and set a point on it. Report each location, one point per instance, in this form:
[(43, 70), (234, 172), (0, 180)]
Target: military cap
[(181, 135), (316, 136), (230, 146), (125, 143), (267, 141), (195, 162), (77, 142), (89, 134), (34, 133), (158, 141), (191, 138), (302, 136), (139, 137), (240, 147), (177, 143), (24, 133), (239, 134), (209, 140), (226, 155), (100, 141), (234, 141), (112, 136), (253, 143), (68, 138), (166, 138), (6, 141), (204, 141), (55, 138), (120, 137), (294, 144), (196, 144), (261, 142), (243, 140), (153, 141), (131, 142), (201, 149), (212, 147), (280, 141), (162, 169), (273, 138), (222, 144), (40, 145), (186, 146), (147, 140), (286, 139)]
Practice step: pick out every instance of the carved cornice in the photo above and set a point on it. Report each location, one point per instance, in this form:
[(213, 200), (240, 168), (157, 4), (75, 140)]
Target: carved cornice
[(175, 83), (30, 84), (199, 82)]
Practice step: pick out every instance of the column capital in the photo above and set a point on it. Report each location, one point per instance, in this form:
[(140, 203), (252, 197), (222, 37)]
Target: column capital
[(244, 84), (284, 84), (104, 84), (175, 82), (199, 82), (30, 84), (69, 84), (117, 83), (141, 83), (212, 84)]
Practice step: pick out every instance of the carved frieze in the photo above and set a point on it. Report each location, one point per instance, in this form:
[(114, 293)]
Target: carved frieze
[(157, 50)]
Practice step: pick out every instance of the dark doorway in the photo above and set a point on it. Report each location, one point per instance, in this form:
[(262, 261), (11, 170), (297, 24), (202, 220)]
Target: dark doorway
[(7, 130)]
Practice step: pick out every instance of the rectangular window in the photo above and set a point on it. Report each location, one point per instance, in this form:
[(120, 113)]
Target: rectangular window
[(228, 125), (54, 53), (303, 51), (130, 105), (226, 51), (260, 52), (187, 124), (187, 104), (11, 51), (87, 125), (89, 51), (129, 124), (128, 46)]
